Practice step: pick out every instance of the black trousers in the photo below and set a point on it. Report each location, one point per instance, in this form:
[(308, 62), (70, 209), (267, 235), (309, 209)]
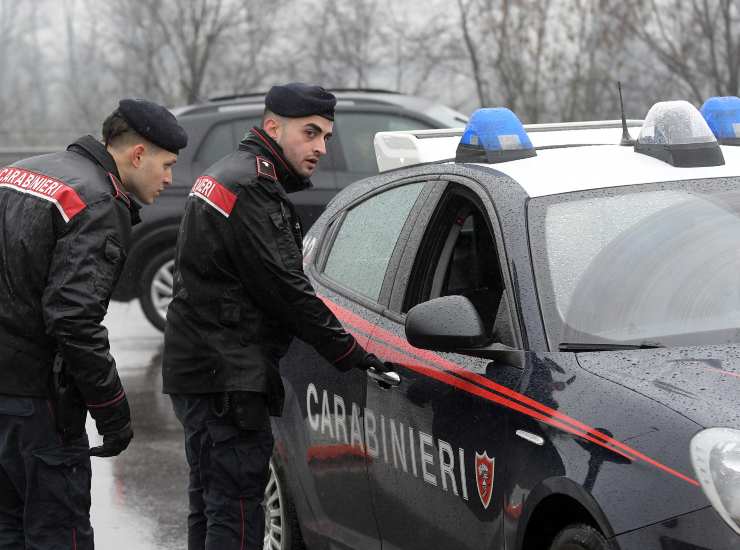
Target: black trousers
[(44, 483), (229, 470)]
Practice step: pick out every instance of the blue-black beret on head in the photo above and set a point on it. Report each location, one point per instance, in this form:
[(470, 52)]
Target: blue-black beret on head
[(296, 100), (154, 123)]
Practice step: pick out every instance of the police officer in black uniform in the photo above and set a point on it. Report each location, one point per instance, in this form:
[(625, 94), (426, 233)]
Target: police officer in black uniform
[(240, 296), (65, 225)]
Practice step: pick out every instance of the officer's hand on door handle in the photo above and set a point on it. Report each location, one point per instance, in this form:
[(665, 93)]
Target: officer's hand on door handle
[(381, 372), (376, 369), (370, 361)]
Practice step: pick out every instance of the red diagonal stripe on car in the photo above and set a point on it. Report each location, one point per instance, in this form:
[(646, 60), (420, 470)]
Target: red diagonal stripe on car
[(513, 400), (723, 372)]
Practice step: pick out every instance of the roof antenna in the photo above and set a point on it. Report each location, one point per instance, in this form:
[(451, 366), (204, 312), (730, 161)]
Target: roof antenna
[(626, 138)]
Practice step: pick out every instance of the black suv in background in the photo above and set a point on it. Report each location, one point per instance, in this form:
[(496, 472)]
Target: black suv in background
[(216, 127)]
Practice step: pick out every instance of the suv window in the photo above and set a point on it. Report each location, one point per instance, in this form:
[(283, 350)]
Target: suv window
[(363, 245), (356, 132), (222, 139), (458, 257)]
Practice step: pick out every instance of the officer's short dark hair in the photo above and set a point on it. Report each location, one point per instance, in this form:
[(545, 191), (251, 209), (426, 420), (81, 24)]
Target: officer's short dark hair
[(268, 114), (117, 130)]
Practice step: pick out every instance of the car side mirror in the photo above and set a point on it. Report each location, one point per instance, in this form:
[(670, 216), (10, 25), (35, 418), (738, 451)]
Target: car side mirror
[(445, 324)]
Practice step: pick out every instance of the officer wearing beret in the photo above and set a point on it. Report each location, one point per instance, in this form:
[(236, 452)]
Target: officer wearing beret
[(65, 222), (240, 296)]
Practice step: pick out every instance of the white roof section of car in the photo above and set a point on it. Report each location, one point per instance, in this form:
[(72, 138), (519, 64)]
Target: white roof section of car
[(400, 149), (569, 157), (570, 169)]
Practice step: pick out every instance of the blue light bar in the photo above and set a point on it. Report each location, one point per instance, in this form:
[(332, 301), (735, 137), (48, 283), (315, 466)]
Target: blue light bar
[(723, 117), (494, 135)]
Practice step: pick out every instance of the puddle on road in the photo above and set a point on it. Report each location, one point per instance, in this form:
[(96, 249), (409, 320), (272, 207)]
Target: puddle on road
[(139, 499), (117, 527)]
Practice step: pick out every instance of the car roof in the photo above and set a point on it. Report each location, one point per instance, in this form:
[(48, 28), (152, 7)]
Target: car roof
[(407, 148), (345, 97), (570, 157), (568, 169)]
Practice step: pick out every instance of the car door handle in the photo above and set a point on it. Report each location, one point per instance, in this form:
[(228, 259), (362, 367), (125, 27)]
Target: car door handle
[(385, 379)]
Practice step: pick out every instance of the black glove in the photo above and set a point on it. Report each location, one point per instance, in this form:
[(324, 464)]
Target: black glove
[(114, 424), (114, 443), (358, 358), (352, 359), (371, 361)]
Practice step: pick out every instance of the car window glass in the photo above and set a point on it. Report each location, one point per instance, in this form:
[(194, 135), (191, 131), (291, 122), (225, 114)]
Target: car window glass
[(356, 132), (221, 140), (651, 263), (464, 262), (218, 142), (242, 127), (364, 243)]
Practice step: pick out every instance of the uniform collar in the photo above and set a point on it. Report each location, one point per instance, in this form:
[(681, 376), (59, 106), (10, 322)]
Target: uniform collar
[(257, 141), (92, 149)]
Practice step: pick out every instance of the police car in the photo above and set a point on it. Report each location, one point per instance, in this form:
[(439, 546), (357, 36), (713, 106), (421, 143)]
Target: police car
[(562, 312)]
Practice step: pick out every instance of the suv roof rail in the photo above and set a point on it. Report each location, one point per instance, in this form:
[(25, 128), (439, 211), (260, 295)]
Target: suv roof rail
[(262, 94), (365, 90)]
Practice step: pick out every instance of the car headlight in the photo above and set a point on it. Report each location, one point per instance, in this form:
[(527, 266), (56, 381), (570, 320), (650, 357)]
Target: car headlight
[(715, 454)]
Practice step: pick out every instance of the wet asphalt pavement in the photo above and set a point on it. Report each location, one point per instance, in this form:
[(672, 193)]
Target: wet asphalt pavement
[(139, 499)]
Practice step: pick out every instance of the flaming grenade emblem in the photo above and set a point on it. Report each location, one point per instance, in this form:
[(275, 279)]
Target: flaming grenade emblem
[(484, 470)]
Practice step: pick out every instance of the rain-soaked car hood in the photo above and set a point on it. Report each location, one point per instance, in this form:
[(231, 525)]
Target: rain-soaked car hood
[(700, 383)]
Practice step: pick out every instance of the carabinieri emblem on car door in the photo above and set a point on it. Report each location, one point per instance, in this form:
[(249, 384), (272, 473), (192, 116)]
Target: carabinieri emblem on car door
[(484, 466)]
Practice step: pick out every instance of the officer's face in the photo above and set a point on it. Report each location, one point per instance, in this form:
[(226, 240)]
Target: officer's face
[(303, 141), (153, 172)]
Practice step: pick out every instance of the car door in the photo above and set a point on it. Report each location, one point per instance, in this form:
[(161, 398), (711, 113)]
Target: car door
[(324, 426), (436, 471)]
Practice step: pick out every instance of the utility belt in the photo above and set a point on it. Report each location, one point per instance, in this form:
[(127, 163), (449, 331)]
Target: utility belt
[(247, 410), (70, 411)]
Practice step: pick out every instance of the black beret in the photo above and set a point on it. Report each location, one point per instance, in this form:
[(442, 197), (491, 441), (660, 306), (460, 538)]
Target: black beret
[(154, 123), (296, 100)]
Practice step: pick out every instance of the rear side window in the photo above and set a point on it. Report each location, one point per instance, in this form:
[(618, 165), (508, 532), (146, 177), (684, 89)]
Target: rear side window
[(356, 132), (364, 243)]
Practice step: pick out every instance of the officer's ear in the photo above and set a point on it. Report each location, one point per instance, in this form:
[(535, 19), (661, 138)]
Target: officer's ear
[(271, 125), (136, 154)]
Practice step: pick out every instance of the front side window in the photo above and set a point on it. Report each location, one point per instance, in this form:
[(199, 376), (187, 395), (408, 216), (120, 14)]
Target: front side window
[(459, 256), (651, 264), (364, 243)]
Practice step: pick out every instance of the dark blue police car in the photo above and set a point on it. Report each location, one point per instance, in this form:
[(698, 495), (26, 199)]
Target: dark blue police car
[(564, 322)]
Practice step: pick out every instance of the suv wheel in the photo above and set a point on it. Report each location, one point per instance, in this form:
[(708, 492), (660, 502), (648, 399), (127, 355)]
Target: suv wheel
[(282, 531), (156, 287)]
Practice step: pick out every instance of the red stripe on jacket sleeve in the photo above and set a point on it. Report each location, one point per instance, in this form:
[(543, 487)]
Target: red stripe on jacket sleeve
[(116, 399), (346, 353), (215, 194), (64, 197)]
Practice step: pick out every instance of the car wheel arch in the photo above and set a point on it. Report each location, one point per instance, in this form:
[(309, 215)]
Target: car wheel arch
[(564, 500)]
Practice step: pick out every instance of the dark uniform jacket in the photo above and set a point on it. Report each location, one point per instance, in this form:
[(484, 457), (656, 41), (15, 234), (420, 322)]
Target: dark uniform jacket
[(65, 225), (240, 293)]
